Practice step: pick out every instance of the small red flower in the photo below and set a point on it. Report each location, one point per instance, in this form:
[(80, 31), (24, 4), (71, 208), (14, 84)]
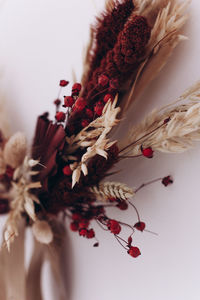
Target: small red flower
[(114, 226), (67, 170), (57, 102), (83, 232), (76, 88), (147, 152), (167, 180), (77, 217), (68, 101), (64, 83), (103, 80), (83, 224), (140, 226), (80, 104), (74, 226), (108, 97), (134, 251), (98, 108), (90, 234), (60, 116), (85, 123), (122, 205)]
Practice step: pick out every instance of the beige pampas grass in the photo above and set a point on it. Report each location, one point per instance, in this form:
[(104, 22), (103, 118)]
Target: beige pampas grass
[(21, 200), (113, 190), (15, 150), (176, 135)]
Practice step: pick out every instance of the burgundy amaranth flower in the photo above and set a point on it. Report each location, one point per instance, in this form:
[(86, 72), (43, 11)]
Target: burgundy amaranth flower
[(107, 29)]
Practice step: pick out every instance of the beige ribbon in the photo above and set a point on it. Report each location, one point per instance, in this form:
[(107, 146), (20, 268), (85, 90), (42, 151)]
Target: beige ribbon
[(16, 283)]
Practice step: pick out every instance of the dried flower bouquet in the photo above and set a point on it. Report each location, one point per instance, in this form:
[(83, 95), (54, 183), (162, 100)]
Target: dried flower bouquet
[(65, 172)]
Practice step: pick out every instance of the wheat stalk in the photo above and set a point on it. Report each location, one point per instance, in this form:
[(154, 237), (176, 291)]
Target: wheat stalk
[(113, 190)]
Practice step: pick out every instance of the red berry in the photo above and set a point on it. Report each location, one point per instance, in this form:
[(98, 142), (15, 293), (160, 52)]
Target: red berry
[(134, 251), (83, 232), (114, 226), (103, 80), (90, 234), (122, 205), (64, 83), (83, 224), (98, 108), (68, 101), (67, 170), (57, 102), (108, 97), (85, 123), (89, 113), (77, 217), (60, 116), (147, 152), (167, 180), (140, 226), (80, 104), (74, 226), (76, 86)]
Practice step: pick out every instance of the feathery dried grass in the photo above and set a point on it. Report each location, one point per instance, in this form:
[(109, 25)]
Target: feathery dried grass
[(166, 18), (22, 200), (112, 189), (176, 135)]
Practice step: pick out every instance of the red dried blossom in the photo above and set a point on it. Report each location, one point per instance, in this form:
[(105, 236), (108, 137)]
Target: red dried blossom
[(140, 226), (76, 88), (90, 234), (57, 102), (114, 226), (108, 97), (89, 113), (134, 251), (74, 226), (80, 104), (83, 232), (64, 83), (68, 101), (60, 116), (67, 170), (167, 180), (85, 123), (123, 205), (98, 108), (9, 172), (147, 152)]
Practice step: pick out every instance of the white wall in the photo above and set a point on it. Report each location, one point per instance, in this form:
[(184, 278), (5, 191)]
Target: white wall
[(41, 42)]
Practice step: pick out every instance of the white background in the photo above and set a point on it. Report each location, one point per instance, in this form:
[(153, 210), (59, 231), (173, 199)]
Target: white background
[(41, 42)]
